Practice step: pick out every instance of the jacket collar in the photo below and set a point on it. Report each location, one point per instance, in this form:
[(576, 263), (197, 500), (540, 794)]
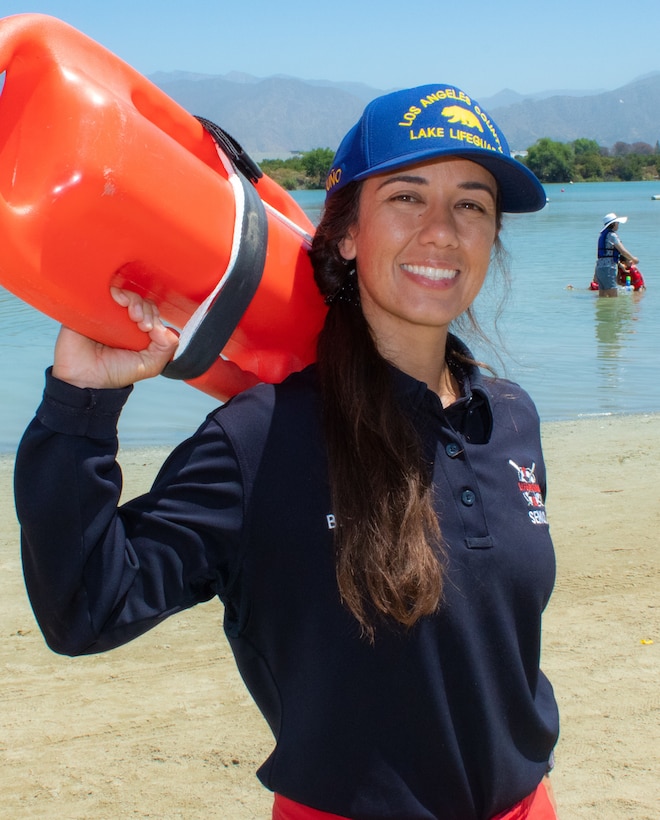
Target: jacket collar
[(472, 414)]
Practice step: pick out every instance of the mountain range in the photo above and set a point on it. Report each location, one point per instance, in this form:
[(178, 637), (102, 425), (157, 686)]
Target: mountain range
[(274, 116)]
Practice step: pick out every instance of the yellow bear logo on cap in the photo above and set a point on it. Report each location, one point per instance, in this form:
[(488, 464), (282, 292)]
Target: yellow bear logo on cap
[(456, 113)]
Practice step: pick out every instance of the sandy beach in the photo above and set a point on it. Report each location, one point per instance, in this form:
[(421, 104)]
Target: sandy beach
[(164, 728)]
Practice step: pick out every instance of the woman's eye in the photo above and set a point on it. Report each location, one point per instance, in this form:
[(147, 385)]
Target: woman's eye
[(471, 206), (404, 198)]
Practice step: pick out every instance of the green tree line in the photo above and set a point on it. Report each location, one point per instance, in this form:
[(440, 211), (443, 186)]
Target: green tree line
[(305, 169), (582, 160)]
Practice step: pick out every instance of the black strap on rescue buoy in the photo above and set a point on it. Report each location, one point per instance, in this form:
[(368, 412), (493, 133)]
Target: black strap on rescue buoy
[(243, 162), (205, 335)]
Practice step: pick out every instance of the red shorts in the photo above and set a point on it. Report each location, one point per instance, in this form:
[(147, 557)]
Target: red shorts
[(536, 806)]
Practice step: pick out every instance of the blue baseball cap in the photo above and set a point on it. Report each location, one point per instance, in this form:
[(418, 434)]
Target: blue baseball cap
[(417, 124)]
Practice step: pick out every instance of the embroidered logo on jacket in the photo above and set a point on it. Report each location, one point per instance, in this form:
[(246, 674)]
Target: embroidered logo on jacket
[(531, 492)]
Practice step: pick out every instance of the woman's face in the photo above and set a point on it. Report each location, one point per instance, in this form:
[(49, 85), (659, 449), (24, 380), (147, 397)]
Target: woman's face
[(422, 244)]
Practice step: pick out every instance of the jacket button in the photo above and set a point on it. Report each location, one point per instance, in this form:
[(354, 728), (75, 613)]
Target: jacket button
[(452, 449), (468, 498)]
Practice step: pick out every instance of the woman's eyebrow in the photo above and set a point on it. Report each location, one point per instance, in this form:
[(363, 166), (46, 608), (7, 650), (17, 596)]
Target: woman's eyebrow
[(477, 186), (415, 180), (470, 185)]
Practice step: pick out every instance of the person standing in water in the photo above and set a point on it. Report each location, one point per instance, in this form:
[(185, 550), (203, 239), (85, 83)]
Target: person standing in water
[(610, 249)]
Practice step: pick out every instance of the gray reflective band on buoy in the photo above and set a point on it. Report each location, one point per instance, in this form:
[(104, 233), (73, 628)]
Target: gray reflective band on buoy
[(210, 327)]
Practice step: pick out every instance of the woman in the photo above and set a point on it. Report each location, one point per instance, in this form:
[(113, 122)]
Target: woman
[(610, 249), (374, 525)]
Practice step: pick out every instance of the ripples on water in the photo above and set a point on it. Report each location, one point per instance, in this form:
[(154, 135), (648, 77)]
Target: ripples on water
[(576, 354)]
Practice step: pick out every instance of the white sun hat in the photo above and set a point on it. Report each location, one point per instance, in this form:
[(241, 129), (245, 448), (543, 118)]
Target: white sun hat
[(608, 219)]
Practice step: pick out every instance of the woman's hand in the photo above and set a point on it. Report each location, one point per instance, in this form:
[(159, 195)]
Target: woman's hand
[(85, 363)]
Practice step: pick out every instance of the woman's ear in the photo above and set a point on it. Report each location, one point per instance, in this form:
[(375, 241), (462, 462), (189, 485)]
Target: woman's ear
[(348, 246)]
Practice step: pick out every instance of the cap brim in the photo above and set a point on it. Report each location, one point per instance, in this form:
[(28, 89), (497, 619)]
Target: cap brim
[(520, 191)]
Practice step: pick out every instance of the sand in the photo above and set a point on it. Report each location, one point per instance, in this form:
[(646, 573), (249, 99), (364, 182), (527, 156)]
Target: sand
[(164, 728)]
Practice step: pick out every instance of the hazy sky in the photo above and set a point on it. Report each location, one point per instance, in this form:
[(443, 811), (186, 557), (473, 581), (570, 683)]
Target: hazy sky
[(482, 47)]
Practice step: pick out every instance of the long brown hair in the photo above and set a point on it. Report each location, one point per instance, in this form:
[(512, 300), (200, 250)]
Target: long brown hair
[(388, 550), (381, 488)]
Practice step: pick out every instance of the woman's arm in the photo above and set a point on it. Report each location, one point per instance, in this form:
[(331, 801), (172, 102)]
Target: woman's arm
[(97, 574), (624, 252)]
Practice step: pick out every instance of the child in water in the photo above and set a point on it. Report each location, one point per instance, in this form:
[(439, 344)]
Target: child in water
[(627, 268)]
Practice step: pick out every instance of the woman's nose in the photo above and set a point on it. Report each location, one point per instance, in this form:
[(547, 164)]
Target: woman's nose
[(439, 226)]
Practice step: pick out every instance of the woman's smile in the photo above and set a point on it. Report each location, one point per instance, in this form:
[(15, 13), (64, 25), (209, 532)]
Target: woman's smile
[(431, 273)]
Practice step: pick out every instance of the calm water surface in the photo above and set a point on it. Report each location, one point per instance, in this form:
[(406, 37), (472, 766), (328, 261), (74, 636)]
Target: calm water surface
[(576, 354)]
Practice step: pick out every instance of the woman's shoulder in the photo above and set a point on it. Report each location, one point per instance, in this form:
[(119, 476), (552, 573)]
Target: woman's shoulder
[(510, 400), (274, 426), (261, 406)]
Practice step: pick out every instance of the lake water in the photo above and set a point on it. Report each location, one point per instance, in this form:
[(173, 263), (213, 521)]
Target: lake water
[(576, 354)]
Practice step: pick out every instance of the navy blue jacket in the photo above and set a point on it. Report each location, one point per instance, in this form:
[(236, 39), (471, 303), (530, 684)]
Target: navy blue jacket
[(451, 719)]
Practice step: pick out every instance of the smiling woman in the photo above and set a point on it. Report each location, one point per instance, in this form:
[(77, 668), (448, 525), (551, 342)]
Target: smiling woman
[(374, 525)]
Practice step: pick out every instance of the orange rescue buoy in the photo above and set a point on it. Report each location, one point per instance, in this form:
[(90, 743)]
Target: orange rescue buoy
[(105, 180)]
